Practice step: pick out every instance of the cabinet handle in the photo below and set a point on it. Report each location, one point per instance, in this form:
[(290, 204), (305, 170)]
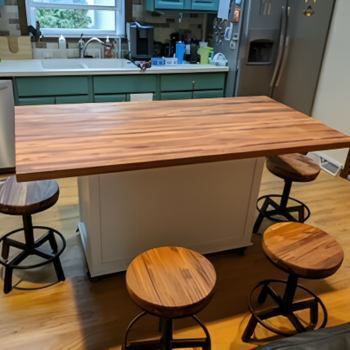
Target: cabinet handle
[(193, 83)]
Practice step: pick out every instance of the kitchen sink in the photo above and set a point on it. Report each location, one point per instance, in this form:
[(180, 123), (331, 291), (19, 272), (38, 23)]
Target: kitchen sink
[(87, 64), (108, 64)]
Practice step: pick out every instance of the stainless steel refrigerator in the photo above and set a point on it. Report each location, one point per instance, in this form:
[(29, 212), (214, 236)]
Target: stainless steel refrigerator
[(275, 48)]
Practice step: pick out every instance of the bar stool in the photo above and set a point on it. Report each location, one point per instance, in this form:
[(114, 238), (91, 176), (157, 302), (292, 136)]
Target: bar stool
[(302, 251), (26, 199), (291, 168), (170, 283)]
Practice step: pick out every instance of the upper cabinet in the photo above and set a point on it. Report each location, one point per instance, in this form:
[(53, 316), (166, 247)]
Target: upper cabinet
[(195, 5)]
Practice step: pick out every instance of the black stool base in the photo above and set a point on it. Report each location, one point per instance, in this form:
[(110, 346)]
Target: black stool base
[(31, 247), (285, 306), (281, 211), (166, 341)]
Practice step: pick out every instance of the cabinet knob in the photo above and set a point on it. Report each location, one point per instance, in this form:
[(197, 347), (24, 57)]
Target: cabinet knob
[(193, 82)]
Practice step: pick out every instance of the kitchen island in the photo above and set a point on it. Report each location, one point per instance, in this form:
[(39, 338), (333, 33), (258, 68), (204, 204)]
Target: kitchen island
[(163, 172)]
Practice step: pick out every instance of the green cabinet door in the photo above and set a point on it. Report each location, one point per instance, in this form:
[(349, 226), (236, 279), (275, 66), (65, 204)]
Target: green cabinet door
[(23, 101), (176, 95), (52, 86), (110, 98), (73, 99), (208, 94), (195, 81), (124, 84)]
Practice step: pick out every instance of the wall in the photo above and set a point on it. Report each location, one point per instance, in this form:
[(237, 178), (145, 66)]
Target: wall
[(9, 19), (333, 93)]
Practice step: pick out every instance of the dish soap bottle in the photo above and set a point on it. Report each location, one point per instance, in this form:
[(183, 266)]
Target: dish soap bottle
[(62, 42), (108, 49)]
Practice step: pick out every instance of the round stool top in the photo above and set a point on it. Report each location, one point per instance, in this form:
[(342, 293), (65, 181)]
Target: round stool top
[(293, 167), (20, 198), (303, 250), (171, 282)]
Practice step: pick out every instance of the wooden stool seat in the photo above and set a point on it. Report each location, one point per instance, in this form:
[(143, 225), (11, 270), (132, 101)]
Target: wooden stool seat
[(171, 282), (293, 167), (26, 198), (302, 250)]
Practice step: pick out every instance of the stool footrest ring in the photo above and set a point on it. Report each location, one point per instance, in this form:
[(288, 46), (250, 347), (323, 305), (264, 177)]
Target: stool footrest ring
[(285, 306), (166, 340)]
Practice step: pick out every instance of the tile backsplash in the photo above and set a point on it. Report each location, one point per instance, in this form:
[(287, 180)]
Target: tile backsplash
[(9, 19)]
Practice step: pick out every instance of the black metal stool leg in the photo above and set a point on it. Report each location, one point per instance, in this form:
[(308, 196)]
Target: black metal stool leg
[(167, 334), (8, 280), (261, 216), (249, 330), (285, 195), (5, 251), (58, 268), (52, 241)]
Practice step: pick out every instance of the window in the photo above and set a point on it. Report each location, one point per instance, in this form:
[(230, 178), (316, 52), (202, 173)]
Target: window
[(74, 17)]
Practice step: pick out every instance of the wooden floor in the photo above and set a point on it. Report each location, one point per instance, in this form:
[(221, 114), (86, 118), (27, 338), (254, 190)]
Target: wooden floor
[(80, 314)]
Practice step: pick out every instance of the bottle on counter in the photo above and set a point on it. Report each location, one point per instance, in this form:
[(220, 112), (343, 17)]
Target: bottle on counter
[(180, 52), (108, 49), (62, 45)]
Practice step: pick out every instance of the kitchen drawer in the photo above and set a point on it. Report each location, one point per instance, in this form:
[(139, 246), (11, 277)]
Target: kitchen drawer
[(208, 94), (176, 95), (171, 4), (50, 86), (35, 101), (111, 98), (124, 84), (177, 82), (205, 5), (73, 99)]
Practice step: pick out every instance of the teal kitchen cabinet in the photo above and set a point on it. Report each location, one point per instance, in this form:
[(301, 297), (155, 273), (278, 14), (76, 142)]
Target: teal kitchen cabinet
[(72, 99), (111, 98), (117, 88), (52, 86), (208, 94), (205, 5), (194, 5), (204, 85), (51, 90), (176, 95), (35, 101)]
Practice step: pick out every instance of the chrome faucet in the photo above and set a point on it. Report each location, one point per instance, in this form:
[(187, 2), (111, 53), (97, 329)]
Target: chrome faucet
[(93, 39)]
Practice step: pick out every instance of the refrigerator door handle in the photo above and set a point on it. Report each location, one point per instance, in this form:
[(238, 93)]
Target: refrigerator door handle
[(280, 47), (284, 61)]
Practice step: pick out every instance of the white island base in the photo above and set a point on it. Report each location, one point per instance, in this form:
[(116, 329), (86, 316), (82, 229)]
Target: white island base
[(208, 207)]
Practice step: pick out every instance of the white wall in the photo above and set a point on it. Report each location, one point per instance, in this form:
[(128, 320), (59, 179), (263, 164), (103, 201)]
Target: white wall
[(332, 104)]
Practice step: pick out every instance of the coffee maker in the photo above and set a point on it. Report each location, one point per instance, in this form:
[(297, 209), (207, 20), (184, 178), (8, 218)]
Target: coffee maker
[(140, 38)]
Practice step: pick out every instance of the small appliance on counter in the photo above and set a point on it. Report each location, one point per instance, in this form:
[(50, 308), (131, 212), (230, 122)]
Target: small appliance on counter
[(140, 38)]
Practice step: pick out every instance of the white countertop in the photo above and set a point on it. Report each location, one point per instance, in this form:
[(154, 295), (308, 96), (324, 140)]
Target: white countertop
[(52, 67)]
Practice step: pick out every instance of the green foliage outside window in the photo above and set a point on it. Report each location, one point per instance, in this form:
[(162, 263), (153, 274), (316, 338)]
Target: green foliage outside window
[(63, 18)]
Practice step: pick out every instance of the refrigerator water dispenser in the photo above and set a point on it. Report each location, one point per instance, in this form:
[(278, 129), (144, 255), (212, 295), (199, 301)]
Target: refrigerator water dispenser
[(260, 52)]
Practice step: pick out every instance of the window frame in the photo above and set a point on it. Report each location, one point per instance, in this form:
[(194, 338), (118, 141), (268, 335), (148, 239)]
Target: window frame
[(119, 17)]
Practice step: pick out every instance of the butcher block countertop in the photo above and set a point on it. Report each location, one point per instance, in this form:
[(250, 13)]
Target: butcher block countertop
[(55, 141)]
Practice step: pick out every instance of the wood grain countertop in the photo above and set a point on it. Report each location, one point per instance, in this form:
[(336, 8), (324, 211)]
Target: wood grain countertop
[(55, 141)]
